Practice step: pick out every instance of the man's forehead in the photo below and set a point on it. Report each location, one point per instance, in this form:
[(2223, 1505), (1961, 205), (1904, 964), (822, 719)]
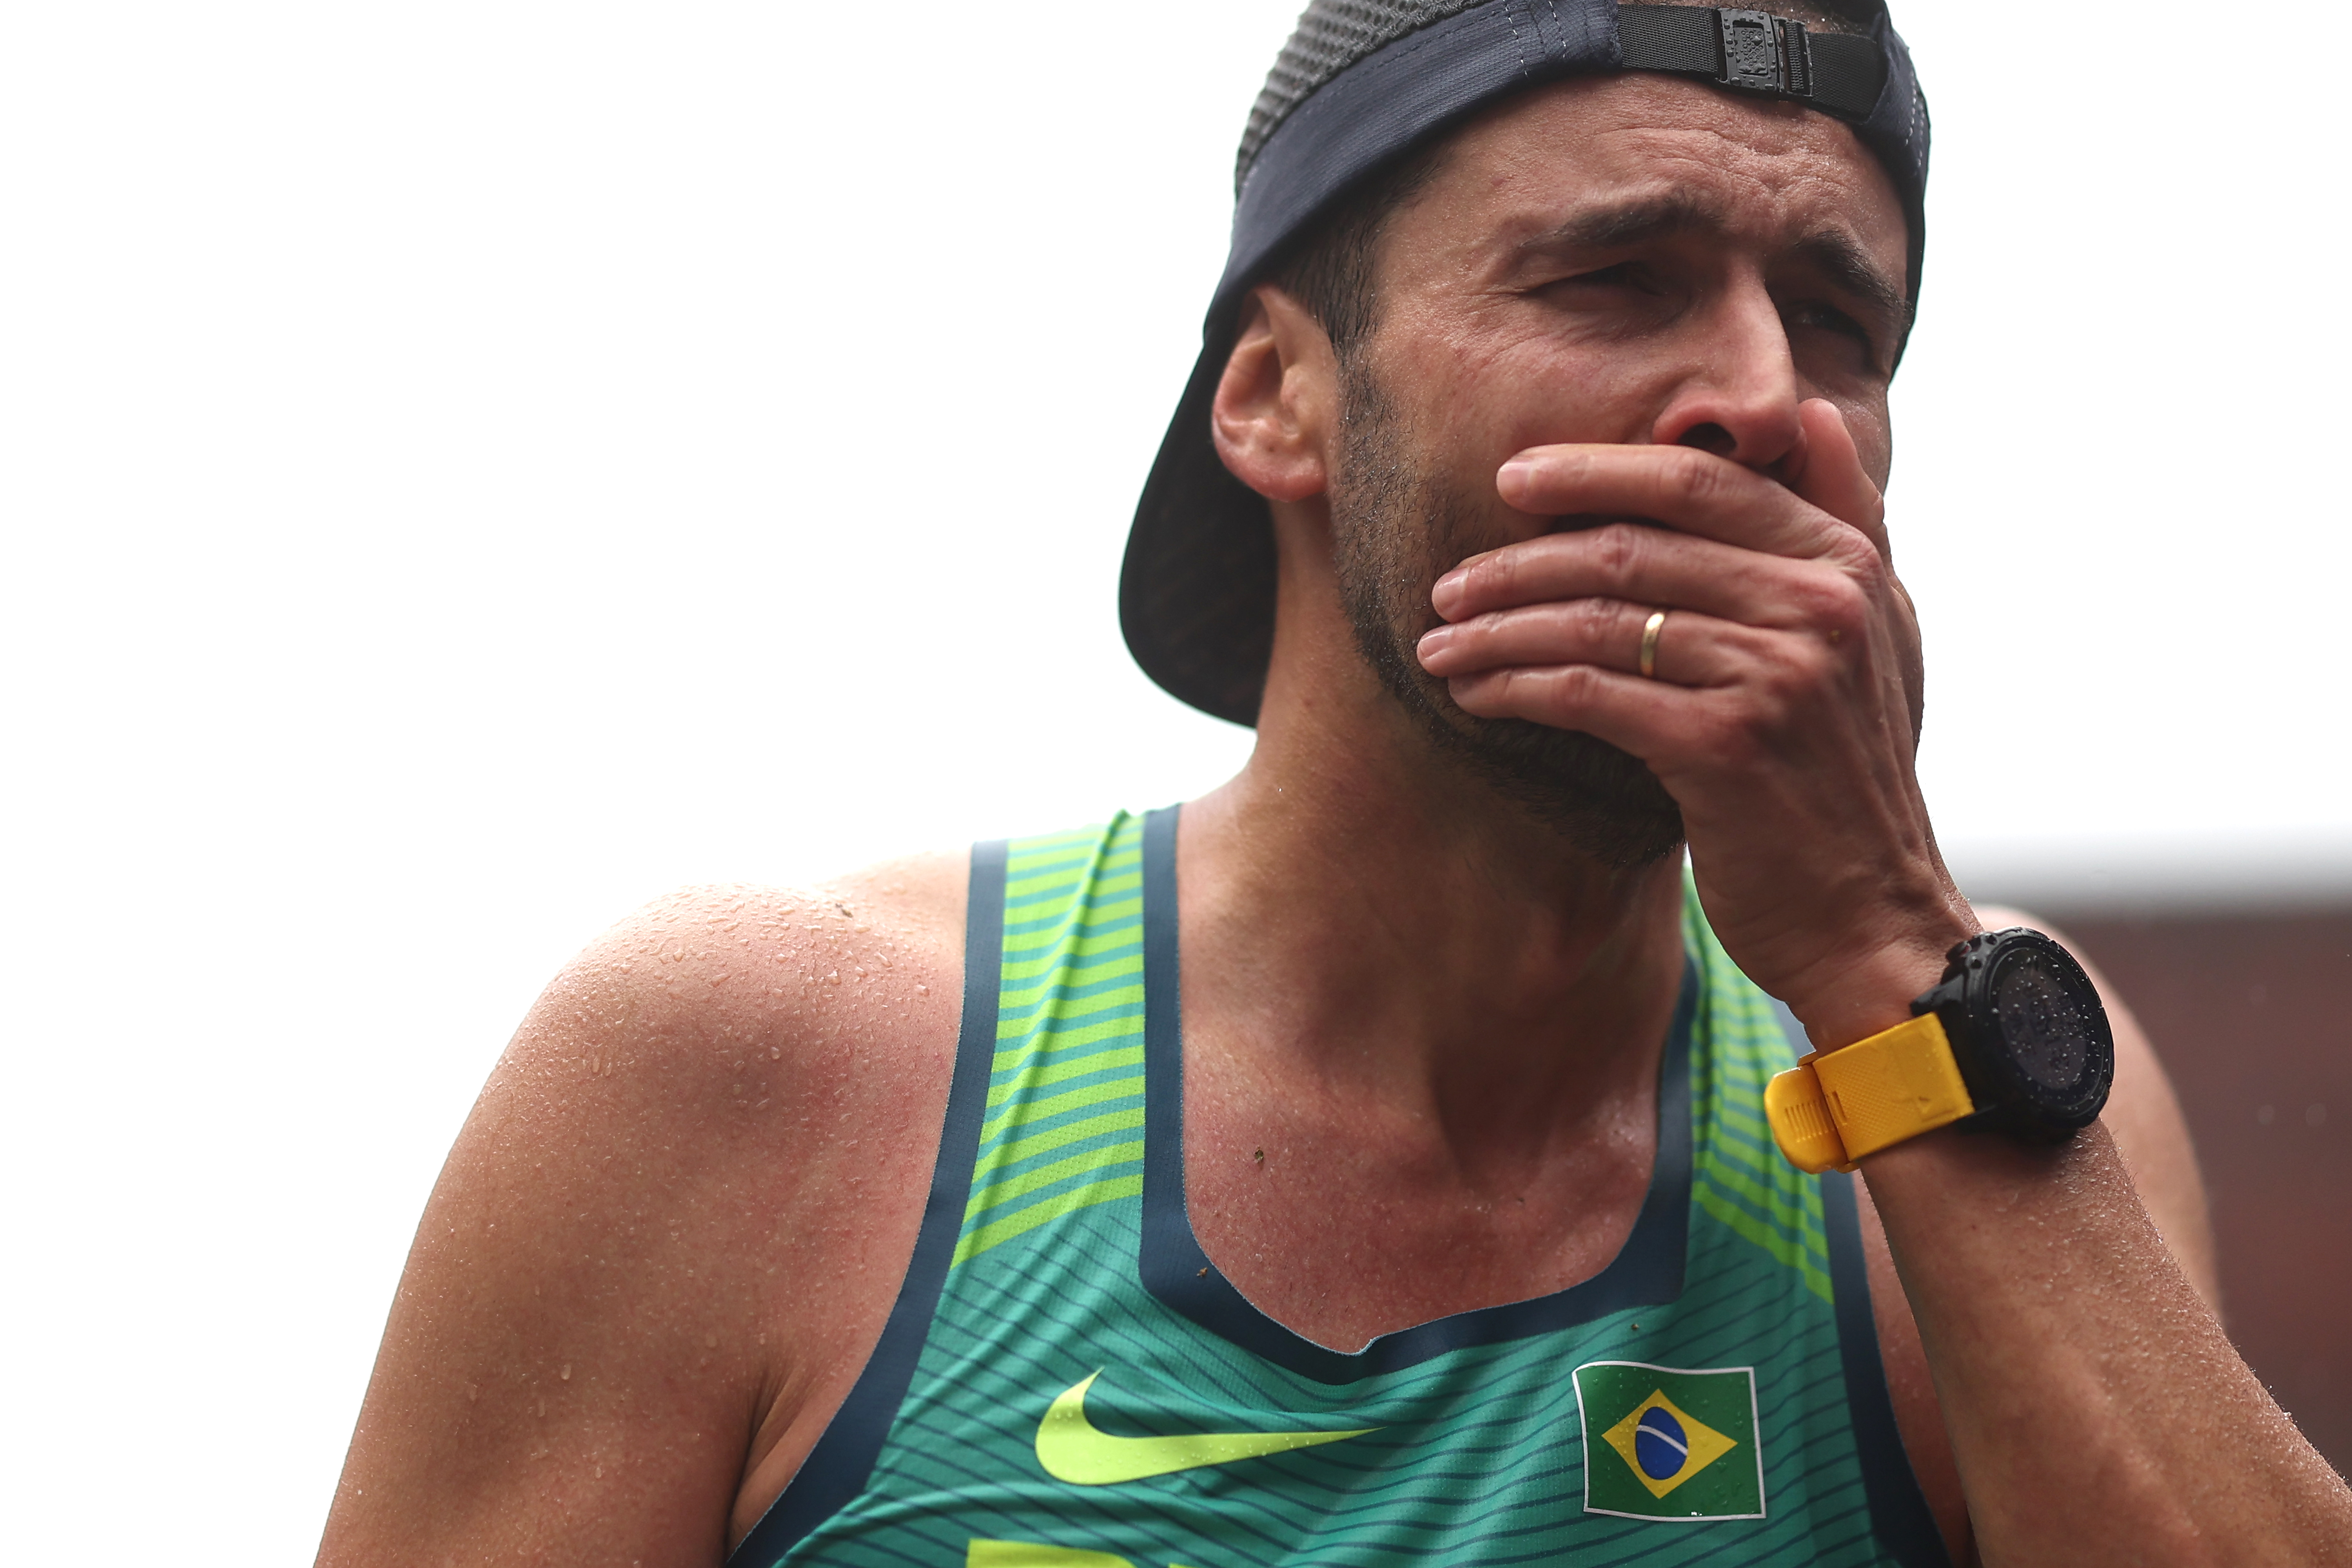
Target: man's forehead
[(1610, 160)]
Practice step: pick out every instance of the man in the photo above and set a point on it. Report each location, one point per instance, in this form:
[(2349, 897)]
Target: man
[(1372, 1164)]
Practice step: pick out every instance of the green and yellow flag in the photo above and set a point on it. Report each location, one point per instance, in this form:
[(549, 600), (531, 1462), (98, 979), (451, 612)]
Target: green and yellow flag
[(1664, 1443)]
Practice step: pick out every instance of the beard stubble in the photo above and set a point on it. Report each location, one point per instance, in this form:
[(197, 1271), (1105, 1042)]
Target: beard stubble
[(1397, 527)]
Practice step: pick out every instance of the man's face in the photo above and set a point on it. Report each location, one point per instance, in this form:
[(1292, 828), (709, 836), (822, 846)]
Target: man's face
[(1629, 259)]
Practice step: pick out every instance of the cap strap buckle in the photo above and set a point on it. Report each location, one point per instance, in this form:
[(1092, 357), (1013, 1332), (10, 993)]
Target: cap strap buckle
[(1764, 53)]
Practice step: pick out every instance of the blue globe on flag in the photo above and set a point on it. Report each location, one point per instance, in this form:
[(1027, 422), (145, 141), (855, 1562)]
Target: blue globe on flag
[(1659, 1446)]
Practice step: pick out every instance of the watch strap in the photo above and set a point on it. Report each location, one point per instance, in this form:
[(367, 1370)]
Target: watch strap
[(1834, 1107)]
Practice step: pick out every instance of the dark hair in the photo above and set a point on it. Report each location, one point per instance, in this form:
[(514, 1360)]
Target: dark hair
[(1329, 268)]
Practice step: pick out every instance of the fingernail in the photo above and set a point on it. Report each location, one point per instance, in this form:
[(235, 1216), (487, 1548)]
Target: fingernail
[(1433, 643), (1515, 471)]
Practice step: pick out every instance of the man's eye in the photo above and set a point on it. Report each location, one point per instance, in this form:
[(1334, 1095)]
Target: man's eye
[(1625, 276), (1829, 318)]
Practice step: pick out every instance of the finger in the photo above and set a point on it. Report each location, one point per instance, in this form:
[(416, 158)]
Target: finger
[(1832, 477), (1689, 649), (1829, 473), (1659, 722), (1644, 565), (1679, 485)]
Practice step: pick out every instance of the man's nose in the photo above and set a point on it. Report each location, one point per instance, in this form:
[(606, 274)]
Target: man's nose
[(1738, 397)]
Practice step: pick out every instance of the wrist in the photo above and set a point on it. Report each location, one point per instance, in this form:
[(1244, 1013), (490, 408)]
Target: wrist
[(1871, 990), (1950, 1159), (2011, 1036)]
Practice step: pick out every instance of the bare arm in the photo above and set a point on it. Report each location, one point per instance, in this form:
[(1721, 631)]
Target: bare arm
[(2047, 1300), (650, 1266), (2130, 1353), (2143, 1117)]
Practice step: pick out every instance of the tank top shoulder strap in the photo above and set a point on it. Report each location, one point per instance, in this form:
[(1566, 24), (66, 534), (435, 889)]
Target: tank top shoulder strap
[(1898, 1509), (837, 1467)]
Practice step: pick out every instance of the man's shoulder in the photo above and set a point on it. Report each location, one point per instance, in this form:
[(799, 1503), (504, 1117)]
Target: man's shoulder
[(733, 1004), (695, 1175), (751, 957)]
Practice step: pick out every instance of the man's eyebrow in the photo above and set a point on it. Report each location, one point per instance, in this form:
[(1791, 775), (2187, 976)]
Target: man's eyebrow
[(1620, 223), (1831, 252), (1838, 257)]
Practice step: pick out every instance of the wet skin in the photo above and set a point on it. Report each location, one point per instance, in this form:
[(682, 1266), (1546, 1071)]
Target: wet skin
[(1421, 1031)]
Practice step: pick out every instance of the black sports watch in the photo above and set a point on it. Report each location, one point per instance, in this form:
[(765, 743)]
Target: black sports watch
[(2028, 1030), (2014, 1037)]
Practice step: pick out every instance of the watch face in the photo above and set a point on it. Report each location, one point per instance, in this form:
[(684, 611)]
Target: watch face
[(2043, 1020)]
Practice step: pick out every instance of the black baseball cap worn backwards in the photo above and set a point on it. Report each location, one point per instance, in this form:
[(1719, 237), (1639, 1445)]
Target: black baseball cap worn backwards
[(1360, 83)]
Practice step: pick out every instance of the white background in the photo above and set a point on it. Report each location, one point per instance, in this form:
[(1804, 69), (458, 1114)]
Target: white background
[(466, 468)]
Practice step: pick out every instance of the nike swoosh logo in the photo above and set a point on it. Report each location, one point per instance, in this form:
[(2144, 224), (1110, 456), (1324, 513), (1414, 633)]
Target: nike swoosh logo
[(1072, 1451)]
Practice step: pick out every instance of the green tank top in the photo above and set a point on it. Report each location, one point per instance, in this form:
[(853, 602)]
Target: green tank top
[(1066, 1382)]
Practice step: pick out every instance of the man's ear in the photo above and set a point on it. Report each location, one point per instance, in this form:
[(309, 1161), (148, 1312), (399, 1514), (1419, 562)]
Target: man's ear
[(1277, 401)]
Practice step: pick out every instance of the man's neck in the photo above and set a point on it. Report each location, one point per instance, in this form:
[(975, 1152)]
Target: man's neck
[(1361, 910)]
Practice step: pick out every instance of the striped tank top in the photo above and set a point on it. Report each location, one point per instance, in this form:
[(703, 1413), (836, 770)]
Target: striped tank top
[(1065, 1381)]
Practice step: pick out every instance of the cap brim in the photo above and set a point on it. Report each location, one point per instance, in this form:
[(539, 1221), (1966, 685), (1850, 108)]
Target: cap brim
[(1196, 593)]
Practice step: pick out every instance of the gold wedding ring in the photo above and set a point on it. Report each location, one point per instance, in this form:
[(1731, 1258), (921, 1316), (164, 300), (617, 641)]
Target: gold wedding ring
[(1649, 662)]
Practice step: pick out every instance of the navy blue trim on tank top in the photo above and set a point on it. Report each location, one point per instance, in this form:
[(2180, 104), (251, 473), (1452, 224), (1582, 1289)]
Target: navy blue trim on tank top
[(836, 1469), (1646, 1272), (1899, 1514)]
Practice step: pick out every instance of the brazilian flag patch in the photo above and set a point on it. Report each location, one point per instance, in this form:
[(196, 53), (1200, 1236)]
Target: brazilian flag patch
[(1664, 1443)]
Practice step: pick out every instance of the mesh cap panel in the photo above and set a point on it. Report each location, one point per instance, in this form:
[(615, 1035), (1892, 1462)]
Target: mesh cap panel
[(1333, 36)]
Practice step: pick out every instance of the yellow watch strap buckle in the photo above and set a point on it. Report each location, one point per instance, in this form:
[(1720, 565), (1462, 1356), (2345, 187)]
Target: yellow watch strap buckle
[(1833, 1108), (1800, 1114)]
